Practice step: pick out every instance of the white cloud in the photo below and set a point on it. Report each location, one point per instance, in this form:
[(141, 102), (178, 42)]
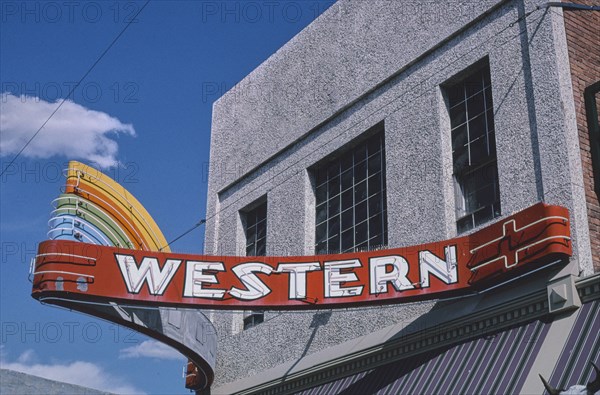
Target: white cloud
[(150, 349), (74, 131), (81, 373), (26, 357)]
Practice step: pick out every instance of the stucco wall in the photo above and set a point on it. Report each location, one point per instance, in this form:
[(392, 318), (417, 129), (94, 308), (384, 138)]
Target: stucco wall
[(359, 64)]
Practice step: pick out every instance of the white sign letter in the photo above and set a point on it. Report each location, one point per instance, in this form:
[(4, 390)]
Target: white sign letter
[(195, 276), (149, 271), (298, 276), (380, 276), (256, 289), (333, 278), (445, 270)]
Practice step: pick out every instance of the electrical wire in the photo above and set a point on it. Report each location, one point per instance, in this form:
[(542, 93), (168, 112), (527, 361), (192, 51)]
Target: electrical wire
[(572, 6), (201, 222), (74, 87)]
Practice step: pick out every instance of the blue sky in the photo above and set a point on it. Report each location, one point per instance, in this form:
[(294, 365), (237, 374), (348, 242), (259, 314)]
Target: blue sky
[(146, 106)]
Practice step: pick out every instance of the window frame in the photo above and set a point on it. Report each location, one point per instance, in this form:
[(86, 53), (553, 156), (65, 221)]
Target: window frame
[(591, 110), (252, 318), (344, 202), (253, 210), (474, 134)]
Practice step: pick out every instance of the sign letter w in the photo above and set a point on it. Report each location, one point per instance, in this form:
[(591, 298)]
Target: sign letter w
[(148, 271)]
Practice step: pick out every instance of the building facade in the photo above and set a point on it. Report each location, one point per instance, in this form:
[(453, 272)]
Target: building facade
[(387, 124)]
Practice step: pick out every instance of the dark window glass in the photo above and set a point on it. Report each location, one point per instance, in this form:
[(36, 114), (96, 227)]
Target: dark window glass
[(347, 179), (360, 153), (477, 129), (348, 219), (474, 150), (333, 227), (476, 105), (252, 319), (347, 199), (321, 234), (592, 109), (321, 213), (360, 171), (355, 198), (334, 206), (458, 114), (376, 223), (360, 212), (360, 192), (459, 137), (375, 204), (256, 230), (376, 240), (322, 192)]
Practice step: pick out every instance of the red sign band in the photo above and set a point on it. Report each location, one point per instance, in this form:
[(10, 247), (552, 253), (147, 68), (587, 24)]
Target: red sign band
[(520, 243)]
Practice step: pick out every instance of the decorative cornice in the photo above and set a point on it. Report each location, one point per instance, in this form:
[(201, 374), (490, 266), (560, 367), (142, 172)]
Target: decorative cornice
[(589, 288)]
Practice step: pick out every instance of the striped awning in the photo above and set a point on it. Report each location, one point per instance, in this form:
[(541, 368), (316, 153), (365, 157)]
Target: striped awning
[(497, 363), (582, 346)]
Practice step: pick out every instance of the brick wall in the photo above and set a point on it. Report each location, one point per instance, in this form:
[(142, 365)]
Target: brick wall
[(583, 39)]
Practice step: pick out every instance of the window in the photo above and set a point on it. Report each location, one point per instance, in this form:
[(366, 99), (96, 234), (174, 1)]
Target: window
[(351, 197), (253, 318), (474, 149), (255, 229), (592, 111)]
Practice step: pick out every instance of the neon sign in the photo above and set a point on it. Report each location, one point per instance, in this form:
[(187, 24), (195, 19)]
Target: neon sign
[(520, 243), (106, 255)]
